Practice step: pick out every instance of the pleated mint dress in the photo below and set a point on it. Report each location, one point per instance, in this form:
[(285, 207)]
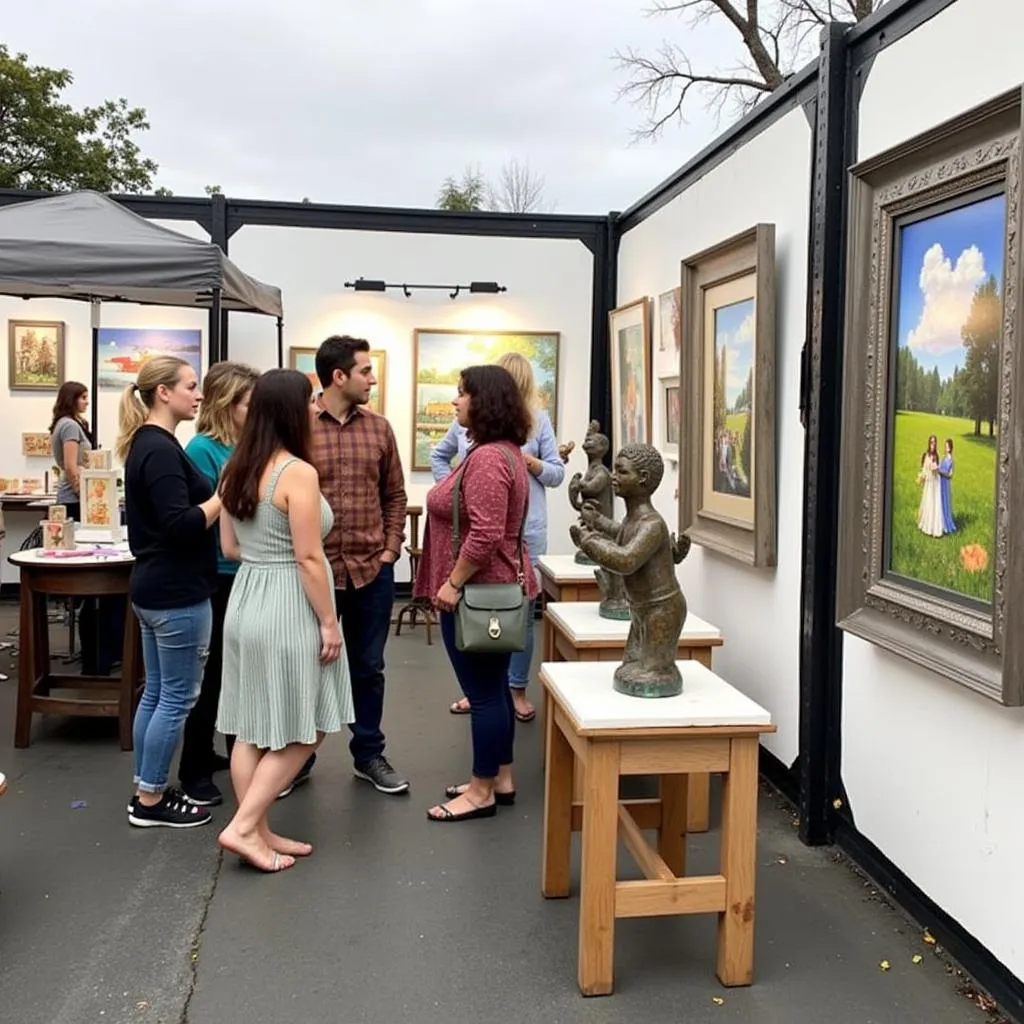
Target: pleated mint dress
[(274, 690)]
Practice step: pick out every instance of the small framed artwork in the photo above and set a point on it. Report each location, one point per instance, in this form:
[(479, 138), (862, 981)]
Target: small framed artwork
[(101, 511), (98, 458), (629, 332), (35, 355), (304, 359), (670, 408), (931, 559), (727, 444), (36, 446), (670, 333)]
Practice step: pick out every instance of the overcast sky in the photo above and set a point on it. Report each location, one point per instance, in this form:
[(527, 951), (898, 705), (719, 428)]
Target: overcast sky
[(371, 102)]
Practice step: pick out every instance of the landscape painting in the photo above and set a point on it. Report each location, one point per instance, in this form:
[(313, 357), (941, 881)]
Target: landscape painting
[(732, 399), (124, 350), (304, 360), (35, 355), (944, 437), (440, 357), (629, 329)]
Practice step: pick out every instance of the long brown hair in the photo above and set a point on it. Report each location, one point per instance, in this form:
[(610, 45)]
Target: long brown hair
[(278, 418), (67, 405)]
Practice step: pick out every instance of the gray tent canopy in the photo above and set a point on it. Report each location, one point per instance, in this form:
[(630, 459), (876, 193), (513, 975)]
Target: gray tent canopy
[(85, 246)]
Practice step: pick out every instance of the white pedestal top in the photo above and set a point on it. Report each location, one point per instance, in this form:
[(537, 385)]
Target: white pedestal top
[(584, 689), (582, 623), (565, 569), (91, 555)]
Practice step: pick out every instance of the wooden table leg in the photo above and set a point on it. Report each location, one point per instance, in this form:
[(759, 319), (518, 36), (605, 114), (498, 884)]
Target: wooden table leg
[(26, 665), (672, 834), (699, 794), (734, 964), (555, 877), (597, 876)]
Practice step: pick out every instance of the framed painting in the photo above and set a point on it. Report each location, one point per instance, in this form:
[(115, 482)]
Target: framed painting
[(36, 445), (35, 355), (304, 359), (670, 410), (101, 510), (727, 444), (439, 356), (670, 333), (931, 559), (629, 333), (124, 350)]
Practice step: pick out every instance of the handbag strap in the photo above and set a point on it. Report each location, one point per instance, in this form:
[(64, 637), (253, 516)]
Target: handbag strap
[(456, 493)]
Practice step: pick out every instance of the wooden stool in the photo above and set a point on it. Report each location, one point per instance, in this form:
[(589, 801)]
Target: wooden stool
[(575, 631), (710, 727), (419, 609)]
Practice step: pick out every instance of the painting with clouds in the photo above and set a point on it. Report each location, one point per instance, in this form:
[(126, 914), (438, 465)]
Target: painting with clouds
[(732, 457), (942, 465)]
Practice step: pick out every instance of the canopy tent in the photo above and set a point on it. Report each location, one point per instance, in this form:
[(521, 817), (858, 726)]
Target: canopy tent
[(85, 246)]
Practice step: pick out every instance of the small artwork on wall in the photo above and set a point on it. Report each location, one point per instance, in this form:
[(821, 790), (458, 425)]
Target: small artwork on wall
[(124, 350), (729, 458), (670, 333), (630, 334), (440, 356), (36, 446), (670, 416), (304, 360), (35, 355), (945, 438)]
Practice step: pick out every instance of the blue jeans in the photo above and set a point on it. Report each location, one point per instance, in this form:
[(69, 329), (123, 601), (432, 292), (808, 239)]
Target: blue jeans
[(519, 668), (175, 645), (492, 720), (365, 621)]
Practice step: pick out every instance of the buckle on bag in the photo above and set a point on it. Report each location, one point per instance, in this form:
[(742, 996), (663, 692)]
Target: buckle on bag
[(494, 627)]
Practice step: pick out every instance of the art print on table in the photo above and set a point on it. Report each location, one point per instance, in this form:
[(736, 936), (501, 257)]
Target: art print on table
[(630, 335), (99, 499), (35, 351), (123, 351), (304, 360), (440, 357), (948, 276)]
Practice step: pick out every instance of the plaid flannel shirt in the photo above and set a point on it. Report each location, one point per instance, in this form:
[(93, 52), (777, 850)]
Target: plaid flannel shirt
[(361, 478)]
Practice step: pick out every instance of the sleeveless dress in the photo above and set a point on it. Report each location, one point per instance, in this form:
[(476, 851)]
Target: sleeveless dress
[(274, 690)]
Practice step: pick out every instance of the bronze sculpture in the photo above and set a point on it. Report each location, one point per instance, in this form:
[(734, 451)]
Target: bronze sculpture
[(595, 487), (643, 554)]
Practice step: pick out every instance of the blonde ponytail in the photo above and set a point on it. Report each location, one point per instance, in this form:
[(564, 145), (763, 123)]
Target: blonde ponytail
[(138, 398)]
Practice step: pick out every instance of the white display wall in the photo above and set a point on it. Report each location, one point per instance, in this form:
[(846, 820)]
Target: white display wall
[(758, 610), (933, 772)]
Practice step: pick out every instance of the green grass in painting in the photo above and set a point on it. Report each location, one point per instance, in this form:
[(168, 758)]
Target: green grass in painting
[(937, 560)]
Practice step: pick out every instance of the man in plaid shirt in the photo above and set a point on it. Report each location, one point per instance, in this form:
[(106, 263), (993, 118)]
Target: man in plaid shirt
[(361, 477)]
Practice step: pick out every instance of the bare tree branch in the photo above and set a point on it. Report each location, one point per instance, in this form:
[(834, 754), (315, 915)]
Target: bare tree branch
[(777, 36), (518, 189)]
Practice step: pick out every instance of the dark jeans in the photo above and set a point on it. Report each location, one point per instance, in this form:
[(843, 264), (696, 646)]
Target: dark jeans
[(365, 622), (197, 741), (492, 720)]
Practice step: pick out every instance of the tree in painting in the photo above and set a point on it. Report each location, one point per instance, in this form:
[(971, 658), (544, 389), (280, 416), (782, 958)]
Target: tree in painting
[(944, 436), (732, 398)]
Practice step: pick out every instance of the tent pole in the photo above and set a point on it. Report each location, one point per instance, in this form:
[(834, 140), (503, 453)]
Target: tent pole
[(214, 355), (280, 342), (94, 378)]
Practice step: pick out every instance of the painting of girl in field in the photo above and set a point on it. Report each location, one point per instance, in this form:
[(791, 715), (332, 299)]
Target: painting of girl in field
[(944, 421)]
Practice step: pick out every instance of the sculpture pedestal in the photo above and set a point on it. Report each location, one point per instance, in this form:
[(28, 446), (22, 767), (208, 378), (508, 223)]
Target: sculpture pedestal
[(563, 579), (709, 726)]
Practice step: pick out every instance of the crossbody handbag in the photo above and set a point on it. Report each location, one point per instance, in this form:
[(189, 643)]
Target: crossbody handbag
[(491, 617)]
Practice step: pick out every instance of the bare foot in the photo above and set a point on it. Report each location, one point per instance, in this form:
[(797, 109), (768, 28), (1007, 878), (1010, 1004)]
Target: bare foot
[(282, 844), (523, 708), (454, 791), (459, 707), (254, 850)]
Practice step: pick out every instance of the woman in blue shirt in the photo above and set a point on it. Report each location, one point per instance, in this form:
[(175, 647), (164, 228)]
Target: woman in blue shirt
[(546, 470), (226, 390)]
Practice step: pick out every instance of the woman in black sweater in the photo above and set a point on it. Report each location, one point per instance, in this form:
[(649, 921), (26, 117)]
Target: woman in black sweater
[(169, 509)]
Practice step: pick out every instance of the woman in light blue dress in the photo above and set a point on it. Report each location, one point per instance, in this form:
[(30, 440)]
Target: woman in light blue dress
[(946, 488), (546, 470), (285, 682)]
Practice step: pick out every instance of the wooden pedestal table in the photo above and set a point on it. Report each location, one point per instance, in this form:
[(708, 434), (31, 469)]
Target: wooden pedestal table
[(709, 727), (575, 631), (563, 579), (45, 575)]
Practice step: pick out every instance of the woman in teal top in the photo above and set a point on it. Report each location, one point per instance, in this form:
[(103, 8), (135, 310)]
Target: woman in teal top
[(226, 389)]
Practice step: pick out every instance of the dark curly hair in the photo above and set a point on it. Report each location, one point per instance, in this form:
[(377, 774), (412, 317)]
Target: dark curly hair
[(646, 459), (496, 408)]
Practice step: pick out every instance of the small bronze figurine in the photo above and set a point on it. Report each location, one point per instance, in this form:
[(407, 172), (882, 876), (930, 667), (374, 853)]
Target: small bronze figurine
[(565, 450), (596, 484), (644, 554)]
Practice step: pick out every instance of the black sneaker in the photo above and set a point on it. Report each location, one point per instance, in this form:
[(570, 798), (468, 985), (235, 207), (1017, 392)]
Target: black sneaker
[(202, 793), (219, 763), (173, 811), (299, 779), (379, 773)]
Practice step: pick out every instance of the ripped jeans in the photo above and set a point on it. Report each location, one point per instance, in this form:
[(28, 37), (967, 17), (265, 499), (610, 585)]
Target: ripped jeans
[(175, 645)]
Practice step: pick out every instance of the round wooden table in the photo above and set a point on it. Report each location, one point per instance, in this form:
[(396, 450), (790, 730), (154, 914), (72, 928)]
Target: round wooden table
[(67, 574)]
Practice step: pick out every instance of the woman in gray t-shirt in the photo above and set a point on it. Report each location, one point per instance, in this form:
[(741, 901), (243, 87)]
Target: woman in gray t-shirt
[(70, 442)]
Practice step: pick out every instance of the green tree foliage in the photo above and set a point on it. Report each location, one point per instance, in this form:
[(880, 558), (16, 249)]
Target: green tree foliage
[(47, 144), (470, 193), (980, 336)]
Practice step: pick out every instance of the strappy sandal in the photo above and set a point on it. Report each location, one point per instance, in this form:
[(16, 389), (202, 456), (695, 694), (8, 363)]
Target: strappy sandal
[(501, 799), (478, 811), (458, 708)]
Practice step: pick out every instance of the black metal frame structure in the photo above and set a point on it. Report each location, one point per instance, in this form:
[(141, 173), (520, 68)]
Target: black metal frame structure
[(829, 91)]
